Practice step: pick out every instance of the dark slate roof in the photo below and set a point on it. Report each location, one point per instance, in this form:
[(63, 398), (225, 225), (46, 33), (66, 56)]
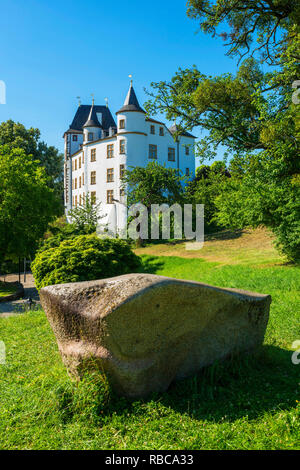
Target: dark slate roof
[(82, 115), (92, 120), (174, 129), (131, 102)]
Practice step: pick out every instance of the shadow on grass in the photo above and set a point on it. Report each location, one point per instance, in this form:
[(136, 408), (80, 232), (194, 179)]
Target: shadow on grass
[(245, 386), (225, 235), (150, 264), (209, 236)]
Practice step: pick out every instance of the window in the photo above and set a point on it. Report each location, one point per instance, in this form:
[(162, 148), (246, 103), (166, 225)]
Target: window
[(122, 146), (80, 200), (93, 177), (109, 196), (152, 151), (75, 183), (75, 200), (122, 171), (110, 150), (161, 131), (171, 154), (93, 155), (79, 181), (122, 124), (110, 175), (90, 136), (187, 172), (93, 197), (187, 150), (82, 157), (152, 129), (75, 164), (79, 164), (75, 138), (82, 179)]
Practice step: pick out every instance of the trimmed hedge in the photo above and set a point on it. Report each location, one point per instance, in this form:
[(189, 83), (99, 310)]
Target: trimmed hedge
[(84, 258)]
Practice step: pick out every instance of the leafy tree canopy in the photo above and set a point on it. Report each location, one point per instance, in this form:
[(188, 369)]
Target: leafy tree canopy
[(154, 184), (264, 26), (27, 204), (16, 136), (253, 114)]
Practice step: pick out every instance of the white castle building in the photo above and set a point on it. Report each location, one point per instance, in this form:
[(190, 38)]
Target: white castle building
[(98, 151)]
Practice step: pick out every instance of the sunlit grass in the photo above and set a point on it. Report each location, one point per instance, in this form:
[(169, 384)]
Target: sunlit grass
[(248, 402)]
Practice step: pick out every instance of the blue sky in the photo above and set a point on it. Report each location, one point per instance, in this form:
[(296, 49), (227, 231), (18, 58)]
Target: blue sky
[(53, 51)]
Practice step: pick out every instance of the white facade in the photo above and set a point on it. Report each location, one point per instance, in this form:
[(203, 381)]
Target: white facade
[(96, 166)]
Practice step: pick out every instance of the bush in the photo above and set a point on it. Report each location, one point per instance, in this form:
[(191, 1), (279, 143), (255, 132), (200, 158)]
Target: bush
[(84, 258)]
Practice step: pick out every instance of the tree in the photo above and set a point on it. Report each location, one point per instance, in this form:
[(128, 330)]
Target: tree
[(267, 23), (153, 184), (253, 114), (16, 136), (27, 204), (85, 217), (205, 188)]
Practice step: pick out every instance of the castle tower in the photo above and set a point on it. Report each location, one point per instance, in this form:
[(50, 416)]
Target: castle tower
[(131, 117), (92, 129)]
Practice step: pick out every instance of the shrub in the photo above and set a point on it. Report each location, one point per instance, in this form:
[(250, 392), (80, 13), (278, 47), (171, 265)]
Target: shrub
[(84, 258)]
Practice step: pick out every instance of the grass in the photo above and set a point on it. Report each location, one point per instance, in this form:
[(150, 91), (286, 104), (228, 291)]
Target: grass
[(248, 402), (250, 247), (7, 288)]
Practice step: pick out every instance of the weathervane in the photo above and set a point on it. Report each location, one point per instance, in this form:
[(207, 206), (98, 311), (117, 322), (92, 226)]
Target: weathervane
[(93, 100), (130, 76), (106, 101), (79, 100)]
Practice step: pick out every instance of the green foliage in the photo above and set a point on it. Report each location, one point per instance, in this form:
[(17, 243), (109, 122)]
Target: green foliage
[(252, 114), (27, 204), (264, 196), (85, 217), (221, 105), (204, 189), (55, 239), (84, 258), (154, 184), (265, 23), (16, 136)]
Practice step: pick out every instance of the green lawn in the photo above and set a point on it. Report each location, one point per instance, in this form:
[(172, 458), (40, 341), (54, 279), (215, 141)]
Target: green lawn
[(7, 288), (246, 403)]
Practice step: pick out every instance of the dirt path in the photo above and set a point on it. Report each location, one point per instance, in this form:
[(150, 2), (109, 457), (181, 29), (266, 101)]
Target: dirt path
[(15, 307)]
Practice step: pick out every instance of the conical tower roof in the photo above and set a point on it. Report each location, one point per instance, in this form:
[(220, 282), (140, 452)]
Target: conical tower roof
[(131, 102), (92, 120)]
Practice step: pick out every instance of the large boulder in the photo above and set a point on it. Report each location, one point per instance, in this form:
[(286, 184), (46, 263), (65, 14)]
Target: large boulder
[(145, 331)]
